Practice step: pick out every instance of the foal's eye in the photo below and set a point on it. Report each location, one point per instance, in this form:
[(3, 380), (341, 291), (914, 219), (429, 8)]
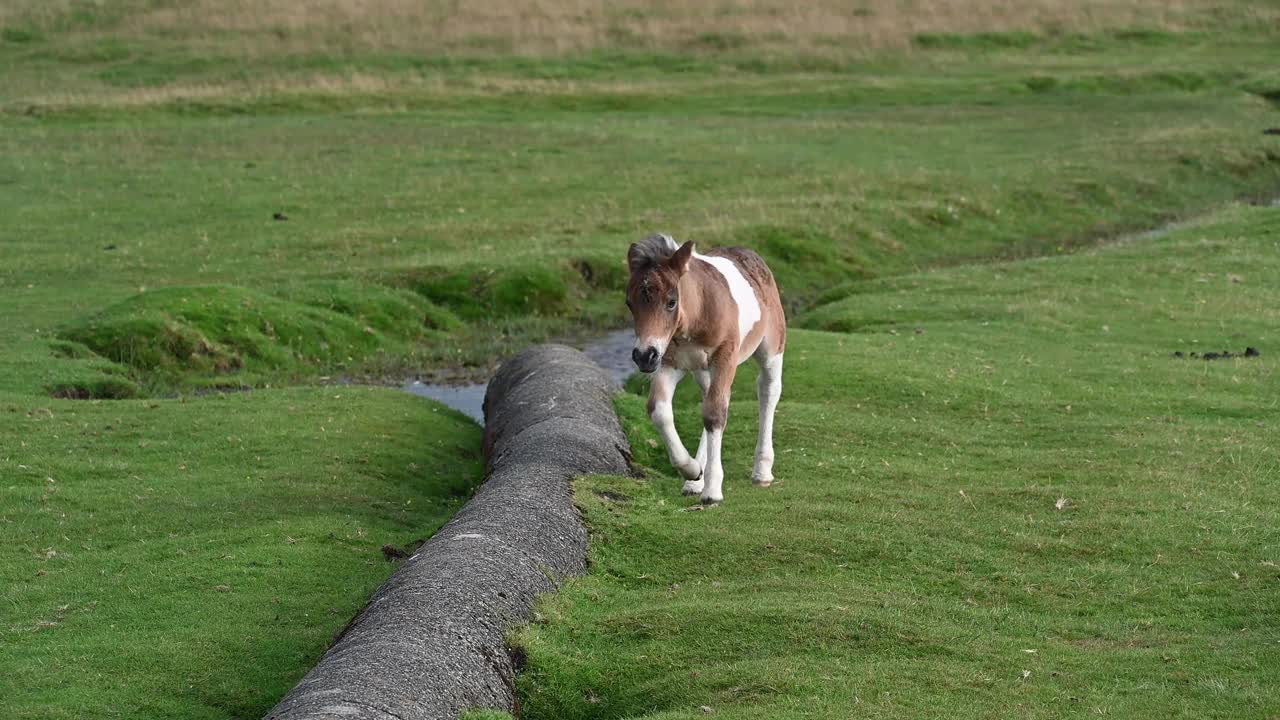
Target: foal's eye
[(671, 305)]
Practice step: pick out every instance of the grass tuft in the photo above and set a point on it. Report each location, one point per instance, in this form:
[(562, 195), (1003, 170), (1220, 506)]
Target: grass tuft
[(105, 388), (19, 35), (983, 41), (475, 714)]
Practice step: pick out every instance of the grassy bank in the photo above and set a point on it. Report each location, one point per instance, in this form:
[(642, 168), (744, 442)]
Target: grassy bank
[(1001, 495), (192, 559)]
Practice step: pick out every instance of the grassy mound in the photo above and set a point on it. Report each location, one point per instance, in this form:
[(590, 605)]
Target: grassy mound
[(60, 368), (393, 312), (804, 261), (211, 331), (221, 335), (1004, 492), (100, 388), (479, 293)]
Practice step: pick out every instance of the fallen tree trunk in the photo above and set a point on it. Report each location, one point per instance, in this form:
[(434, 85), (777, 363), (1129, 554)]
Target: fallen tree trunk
[(430, 643)]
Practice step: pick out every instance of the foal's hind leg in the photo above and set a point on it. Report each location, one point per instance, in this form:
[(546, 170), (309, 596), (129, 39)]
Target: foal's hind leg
[(694, 487), (768, 390), (660, 411)]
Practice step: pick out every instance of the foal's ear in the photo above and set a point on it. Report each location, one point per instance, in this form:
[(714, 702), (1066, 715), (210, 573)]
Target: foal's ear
[(637, 259), (680, 259)]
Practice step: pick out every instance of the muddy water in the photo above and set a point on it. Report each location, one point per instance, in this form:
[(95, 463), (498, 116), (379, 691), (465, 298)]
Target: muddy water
[(611, 352)]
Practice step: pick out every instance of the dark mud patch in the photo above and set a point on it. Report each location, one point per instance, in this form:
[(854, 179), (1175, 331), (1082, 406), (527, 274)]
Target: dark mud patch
[(600, 273), (1271, 95), (391, 553), (1249, 352), (611, 496), (519, 658)]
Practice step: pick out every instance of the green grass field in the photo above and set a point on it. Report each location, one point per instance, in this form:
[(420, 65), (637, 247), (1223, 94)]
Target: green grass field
[(192, 558), (467, 207), (447, 197), (999, 495)]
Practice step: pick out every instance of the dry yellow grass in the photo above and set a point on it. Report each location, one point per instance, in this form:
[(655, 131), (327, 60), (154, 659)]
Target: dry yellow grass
[(540, 27), (256, 32), (333, 85), (241, 91)]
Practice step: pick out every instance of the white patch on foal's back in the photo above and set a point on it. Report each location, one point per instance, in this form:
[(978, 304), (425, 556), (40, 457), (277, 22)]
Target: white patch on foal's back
[(740, 289)]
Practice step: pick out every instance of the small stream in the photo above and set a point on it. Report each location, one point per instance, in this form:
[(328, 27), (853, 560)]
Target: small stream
[(611, 351)]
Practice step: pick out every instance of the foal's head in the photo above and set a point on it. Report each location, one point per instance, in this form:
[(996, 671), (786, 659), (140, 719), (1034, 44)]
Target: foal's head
[(653, 295)]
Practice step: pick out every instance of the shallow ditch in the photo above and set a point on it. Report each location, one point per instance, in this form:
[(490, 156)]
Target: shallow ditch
[(611, 351)]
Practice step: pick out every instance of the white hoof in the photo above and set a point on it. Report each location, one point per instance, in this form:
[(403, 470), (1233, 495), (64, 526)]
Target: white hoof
[(762, 473), (711, 499), (692, 470), (692, 487)]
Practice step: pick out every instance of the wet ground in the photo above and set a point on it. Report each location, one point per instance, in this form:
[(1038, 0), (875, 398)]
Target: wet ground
[(611, 351)]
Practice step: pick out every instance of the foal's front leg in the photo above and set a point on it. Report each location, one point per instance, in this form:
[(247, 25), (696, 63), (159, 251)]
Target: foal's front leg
[(660, 392), (715, 414), (694, 487)]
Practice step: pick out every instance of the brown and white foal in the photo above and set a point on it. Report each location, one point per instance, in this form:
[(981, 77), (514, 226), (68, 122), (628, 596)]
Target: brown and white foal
[(706, 314)]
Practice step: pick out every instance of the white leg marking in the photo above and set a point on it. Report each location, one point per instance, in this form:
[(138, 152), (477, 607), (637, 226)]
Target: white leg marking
[(694, 487), (768, 390), (713, 474), (664, 385)]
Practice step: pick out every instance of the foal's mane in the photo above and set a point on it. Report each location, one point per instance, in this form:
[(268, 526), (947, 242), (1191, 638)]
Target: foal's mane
[(651, 252)]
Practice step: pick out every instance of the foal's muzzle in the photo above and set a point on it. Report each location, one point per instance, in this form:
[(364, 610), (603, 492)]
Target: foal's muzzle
[(646, 360)]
